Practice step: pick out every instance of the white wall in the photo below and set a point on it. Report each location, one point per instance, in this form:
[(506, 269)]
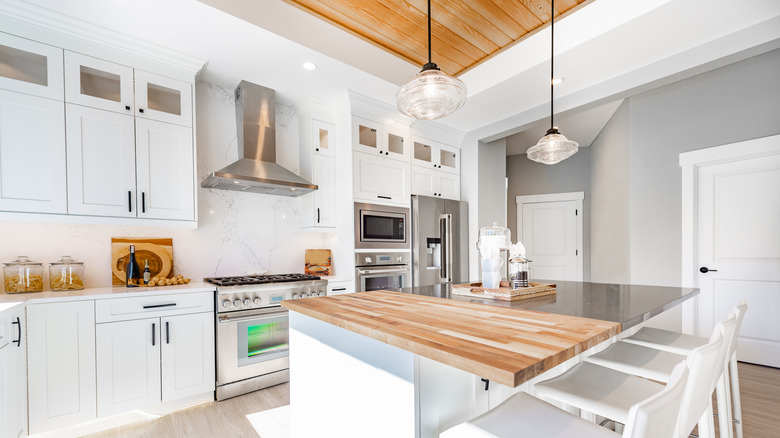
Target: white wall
[(237, 232)]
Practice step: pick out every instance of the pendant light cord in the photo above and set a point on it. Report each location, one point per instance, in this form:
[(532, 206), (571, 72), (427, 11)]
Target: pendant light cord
[(552, 57), (429, 31)]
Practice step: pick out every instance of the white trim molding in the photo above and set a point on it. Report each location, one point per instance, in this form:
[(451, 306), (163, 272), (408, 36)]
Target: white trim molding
[(578, 197), (691, 162)]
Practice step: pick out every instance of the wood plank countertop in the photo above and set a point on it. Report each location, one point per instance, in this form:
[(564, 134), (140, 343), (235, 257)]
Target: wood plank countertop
[(506, 345)]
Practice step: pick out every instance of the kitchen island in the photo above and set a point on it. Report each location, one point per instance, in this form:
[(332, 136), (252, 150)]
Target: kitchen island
[(414, 363)]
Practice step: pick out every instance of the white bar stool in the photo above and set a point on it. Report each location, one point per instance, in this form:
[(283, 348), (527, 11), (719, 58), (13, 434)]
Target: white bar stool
[(657, 364), (608, 393), (527, 416), (680, 343)]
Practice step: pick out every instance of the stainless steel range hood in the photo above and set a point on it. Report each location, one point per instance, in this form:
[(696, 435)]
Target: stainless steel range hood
[(256, 170)]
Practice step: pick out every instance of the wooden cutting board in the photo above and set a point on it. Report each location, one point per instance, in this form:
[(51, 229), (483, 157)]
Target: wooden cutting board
[(317, 261), (158, 251), (504, 292)]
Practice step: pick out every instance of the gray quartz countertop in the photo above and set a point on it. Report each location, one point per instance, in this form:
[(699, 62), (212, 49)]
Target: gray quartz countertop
[(626, 304)]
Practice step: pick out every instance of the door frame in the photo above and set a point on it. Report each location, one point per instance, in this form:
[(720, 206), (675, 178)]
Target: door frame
[(691, 162), (578, 197)]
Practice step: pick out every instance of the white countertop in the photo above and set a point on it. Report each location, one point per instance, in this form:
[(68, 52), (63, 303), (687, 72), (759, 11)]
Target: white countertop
[(91, 293)]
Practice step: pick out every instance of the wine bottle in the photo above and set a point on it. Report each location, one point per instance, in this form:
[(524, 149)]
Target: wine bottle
[(132, 270), (147, 272)]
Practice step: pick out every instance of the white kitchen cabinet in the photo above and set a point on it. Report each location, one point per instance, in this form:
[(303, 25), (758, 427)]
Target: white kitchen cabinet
[(318, 165), (432, 182), (340, 287), (13, 368), (165, 173), (99, 84), (32, 154), (433, 155), (128, 365), (163, 99), (379, 180), (61, 364), (386, 140), (154, 350), (101, 162), (30, 67)]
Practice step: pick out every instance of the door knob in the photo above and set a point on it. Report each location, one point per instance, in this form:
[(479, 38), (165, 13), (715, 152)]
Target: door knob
[(705, 270)]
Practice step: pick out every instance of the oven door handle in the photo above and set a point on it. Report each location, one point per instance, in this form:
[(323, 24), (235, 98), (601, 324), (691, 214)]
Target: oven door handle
[(381, 271), (255, 315)]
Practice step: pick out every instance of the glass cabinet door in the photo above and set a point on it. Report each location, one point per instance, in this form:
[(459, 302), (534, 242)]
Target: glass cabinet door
[(323, 138), (449, 159), (98, 84), (396, 143), (164, 99), (30, 67), (423, 155), (367, 136)]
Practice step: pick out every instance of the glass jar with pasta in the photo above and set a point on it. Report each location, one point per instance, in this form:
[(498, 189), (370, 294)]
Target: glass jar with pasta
[(66, 274), (23, 275)]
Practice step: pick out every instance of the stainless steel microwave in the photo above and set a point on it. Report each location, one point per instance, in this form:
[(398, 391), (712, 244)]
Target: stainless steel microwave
[(381, 227)]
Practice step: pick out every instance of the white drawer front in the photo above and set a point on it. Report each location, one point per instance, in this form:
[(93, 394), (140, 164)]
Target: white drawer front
[(123, 309)]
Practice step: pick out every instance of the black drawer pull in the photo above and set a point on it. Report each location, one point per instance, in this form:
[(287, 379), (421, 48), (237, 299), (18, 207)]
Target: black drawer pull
[(383, 197), (155, 306), (338, 289)]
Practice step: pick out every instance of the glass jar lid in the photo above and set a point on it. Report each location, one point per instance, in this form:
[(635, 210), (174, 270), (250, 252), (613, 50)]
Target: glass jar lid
[(23, 261), (495, 236), (66, 260)]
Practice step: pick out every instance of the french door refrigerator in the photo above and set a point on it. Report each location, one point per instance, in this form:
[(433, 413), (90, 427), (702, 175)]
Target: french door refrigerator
[(440, 252)]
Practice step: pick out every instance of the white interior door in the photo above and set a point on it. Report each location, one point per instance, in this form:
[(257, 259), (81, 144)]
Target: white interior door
[(550, 227), (739, 243)]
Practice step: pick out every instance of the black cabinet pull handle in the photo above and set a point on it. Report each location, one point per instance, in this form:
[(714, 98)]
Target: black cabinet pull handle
[(318, 215), (127, 107), (380, 152), (130, 201), (704, 270), (387, 153), (140, 110), (317, 149), (18, 323), (154, 334), (383, 197), (143, 202), (167, 333), (155, 306), (487, 383), (336, 289)]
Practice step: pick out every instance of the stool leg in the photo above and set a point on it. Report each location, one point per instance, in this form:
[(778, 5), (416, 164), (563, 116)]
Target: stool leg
[(724, 410), (707, 424), (735, 394)]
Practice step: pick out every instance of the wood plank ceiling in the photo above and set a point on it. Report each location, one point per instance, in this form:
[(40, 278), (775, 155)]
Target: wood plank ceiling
[(465, 33)]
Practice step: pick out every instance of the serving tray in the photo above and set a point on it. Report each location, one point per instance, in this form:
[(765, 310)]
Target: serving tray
[(504, 292)]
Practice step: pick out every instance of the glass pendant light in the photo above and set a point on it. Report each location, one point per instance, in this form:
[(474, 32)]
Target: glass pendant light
[(553, 147), (432, 94)]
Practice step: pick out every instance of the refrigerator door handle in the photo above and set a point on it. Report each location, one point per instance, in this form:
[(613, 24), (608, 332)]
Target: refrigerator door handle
[(445, 231)]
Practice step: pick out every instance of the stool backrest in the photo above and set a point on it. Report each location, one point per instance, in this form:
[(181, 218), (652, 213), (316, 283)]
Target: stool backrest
[(657, 416), (740, 312), (705, 365)]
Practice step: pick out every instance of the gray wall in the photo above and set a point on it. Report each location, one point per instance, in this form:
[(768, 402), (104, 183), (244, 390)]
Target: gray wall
[(527, 177), (610, 252)]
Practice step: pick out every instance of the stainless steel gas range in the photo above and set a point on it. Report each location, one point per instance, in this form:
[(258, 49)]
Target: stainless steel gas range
[(252, 329)]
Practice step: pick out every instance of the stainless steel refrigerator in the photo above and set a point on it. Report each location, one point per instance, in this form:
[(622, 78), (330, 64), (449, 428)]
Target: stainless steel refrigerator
[(440, 235)]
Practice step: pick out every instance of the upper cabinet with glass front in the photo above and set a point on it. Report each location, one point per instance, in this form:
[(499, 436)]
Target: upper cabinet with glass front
[(30, 67), (164, 99), (381, 139), (435, 155), (98, 84)]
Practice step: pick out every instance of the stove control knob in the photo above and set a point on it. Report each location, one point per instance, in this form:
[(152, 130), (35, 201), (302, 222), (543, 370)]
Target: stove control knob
[(247, 302), (399, 259), (237, 303), (226, 304), (369, 260), (257, 301), (304, 295), (295, 296)]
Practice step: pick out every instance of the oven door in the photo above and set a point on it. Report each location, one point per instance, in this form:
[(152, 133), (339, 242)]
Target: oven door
[(385, 277), (251, 343)]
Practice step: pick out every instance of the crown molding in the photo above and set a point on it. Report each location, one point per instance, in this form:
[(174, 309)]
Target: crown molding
[(438, 132), (375, 110), (46, 26)]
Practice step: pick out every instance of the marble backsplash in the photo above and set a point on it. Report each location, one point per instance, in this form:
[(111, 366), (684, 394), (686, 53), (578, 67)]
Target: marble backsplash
[(237, 232)]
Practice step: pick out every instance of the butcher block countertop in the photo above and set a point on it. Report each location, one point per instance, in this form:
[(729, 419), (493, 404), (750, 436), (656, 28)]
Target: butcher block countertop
[(506, 345)]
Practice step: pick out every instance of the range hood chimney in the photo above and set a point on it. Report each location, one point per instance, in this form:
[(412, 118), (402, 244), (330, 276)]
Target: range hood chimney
[(256, 170)]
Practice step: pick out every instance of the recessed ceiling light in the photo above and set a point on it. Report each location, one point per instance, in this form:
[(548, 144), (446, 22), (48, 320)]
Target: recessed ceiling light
[(309, 66), (557, 81)]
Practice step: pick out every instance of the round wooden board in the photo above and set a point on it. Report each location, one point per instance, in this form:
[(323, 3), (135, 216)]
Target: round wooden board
[(160, 263)]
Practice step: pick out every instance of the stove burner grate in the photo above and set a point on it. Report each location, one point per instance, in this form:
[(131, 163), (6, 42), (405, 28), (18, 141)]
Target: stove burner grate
[(259, 279)]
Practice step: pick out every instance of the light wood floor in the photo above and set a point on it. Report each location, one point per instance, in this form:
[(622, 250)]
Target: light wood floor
[(760, 388)]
